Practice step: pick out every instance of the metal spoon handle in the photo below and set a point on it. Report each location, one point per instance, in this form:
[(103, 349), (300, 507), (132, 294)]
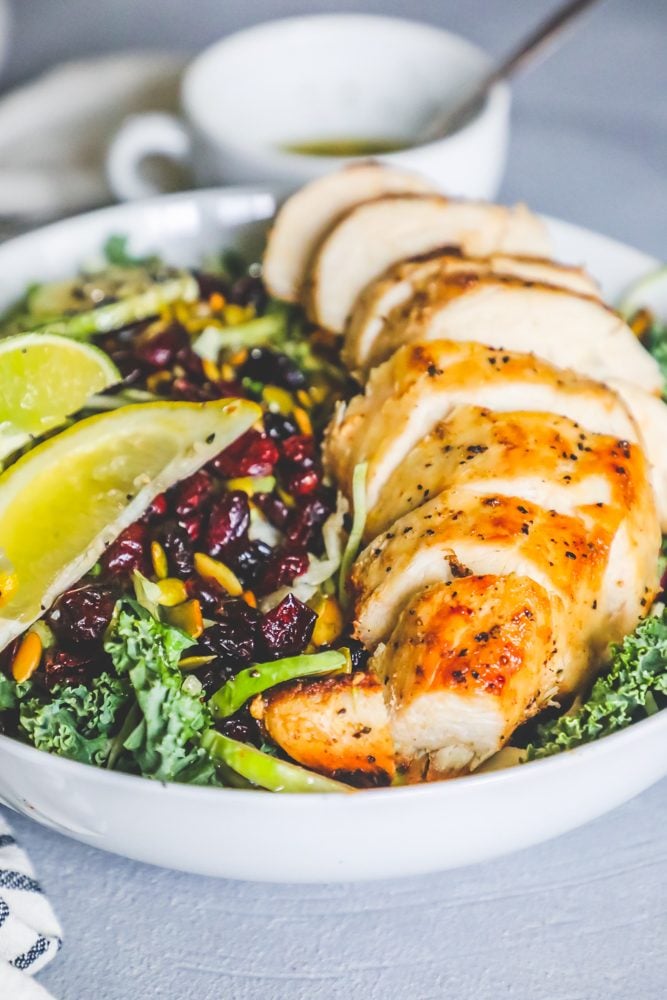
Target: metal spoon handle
[(524, 53)]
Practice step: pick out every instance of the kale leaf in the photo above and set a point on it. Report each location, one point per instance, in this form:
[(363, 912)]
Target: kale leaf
[(634, 687), (77, 722), (117, 253), (165, 742), (655, 340)]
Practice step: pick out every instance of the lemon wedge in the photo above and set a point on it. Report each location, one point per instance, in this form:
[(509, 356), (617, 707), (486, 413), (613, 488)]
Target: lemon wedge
[(63, 502), (43, 379)]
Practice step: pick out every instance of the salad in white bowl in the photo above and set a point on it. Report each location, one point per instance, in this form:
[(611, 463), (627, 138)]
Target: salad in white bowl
[(248, 546)]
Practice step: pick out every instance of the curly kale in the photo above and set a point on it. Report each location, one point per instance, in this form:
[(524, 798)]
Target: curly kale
[(164, 743), (634, 687), (142, 716), (655, 341), (77, 722)]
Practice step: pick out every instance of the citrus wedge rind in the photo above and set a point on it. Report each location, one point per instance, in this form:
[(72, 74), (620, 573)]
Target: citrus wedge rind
[(43, 379), (65, 501)]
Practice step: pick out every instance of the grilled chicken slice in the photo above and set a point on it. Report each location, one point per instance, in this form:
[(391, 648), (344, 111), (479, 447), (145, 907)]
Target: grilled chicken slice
[(305, 218), (468, 661), (650, 414), (600, 563), (404, 280), (335, 725), (544, 458), (571, 331), (422, 383), (376, 234)]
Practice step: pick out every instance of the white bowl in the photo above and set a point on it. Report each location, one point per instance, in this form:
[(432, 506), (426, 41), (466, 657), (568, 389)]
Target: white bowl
[(309, 838)]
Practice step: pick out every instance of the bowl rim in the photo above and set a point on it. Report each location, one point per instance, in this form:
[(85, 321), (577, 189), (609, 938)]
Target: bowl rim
[(637, 731), (428, 790)]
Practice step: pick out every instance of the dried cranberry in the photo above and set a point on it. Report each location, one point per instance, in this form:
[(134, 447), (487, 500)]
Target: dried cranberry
[(125, 360), (7, 656), (253, 454), (161, 349), (299, 464), (287, 629), (301, 484), (128, 552), (82, 615), (279, 427), (663, 581), (178, 547), (240, 727), (248, 291), (273, 508), (190, 362), (299, 450), (189, 495), (192, 525), (210, 595), (272, 368), (157, 508), (69, 668), (249, 561), (233, 637), (284, 565), (185, 390), (228, 522), (358, 653), (230, 389), (304, 521)]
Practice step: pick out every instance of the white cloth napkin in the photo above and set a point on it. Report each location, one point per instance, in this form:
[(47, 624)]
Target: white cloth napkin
[(54, 131), (30, 934)]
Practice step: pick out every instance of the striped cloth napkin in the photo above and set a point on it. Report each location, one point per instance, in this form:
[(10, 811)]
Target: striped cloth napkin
[(30, 934)]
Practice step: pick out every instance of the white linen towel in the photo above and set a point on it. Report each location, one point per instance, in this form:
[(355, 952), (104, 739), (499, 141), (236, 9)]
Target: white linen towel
[(54, 131), (30, 934)]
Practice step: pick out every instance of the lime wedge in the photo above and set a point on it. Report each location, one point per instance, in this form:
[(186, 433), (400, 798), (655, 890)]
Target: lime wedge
[(44, 378), (63, 502)]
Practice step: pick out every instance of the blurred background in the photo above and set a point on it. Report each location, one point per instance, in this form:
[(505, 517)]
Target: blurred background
[(589, 139)]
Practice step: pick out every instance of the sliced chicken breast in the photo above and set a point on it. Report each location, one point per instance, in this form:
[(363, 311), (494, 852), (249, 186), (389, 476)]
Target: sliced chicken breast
[(544, 458), (512, 529), (421, 384), (571, 331), (336, 725), (376, 234), (650, 415), (468, 661), (600, 563), (404, 280), (305, 218)]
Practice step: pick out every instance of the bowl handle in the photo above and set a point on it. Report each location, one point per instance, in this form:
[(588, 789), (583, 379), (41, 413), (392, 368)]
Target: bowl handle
[(139, 138)]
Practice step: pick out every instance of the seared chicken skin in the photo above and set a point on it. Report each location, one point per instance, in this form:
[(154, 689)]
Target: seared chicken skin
[(421, 384), (513, 513), (338, 724), (467, 662)]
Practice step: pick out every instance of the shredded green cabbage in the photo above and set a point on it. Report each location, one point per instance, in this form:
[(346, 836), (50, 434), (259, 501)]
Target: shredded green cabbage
[(359, 514)]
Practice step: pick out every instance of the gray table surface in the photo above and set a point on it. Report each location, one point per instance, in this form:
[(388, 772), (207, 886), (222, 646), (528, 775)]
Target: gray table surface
[(580, 918)]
